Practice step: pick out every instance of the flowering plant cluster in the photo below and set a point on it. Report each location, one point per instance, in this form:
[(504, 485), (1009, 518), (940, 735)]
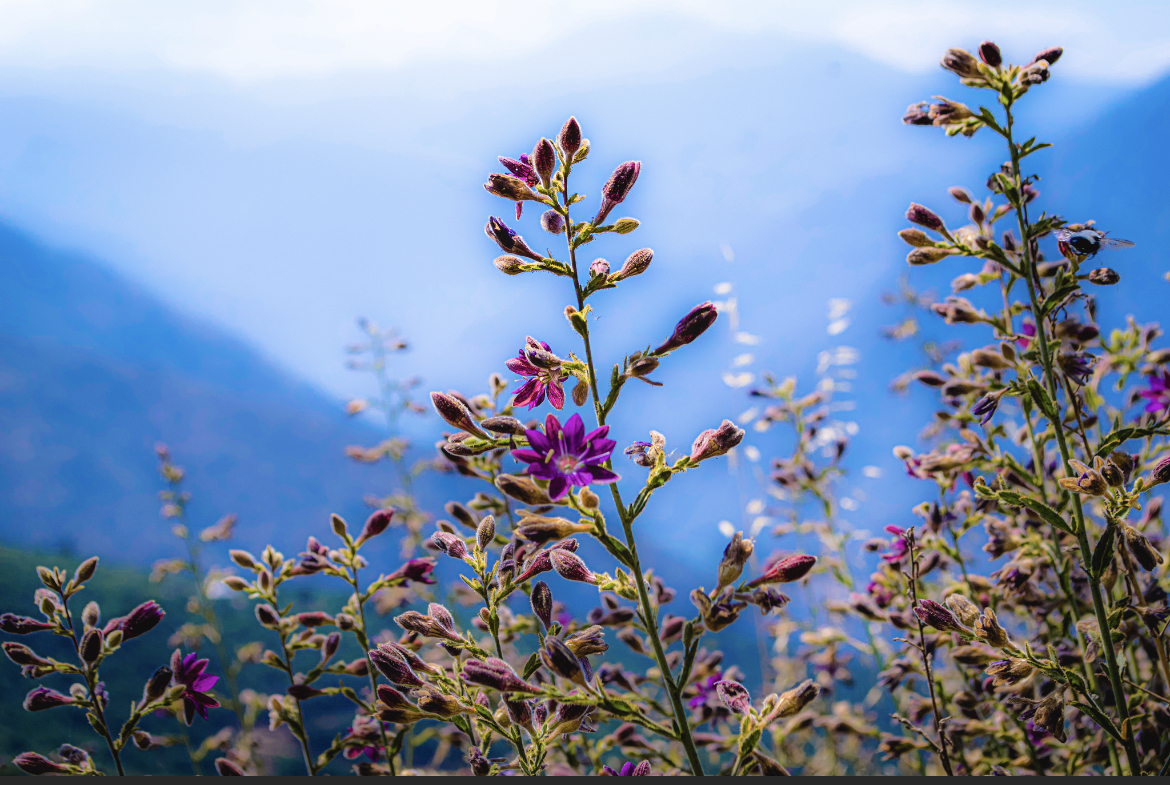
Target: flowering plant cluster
[(1015, 624)]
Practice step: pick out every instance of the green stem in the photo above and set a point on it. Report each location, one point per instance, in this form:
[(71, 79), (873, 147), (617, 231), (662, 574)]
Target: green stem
[(371, 671), (1062, 444), (649, 612)]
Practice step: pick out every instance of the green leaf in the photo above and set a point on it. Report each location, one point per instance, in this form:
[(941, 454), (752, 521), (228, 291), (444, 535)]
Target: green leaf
[(748, 743), (1099, 718), (1049, 515), (1104, 551), (1043, 402), (531, 666)]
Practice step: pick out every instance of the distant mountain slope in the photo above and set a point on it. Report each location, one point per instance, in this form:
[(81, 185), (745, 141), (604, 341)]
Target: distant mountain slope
[(94, 372)]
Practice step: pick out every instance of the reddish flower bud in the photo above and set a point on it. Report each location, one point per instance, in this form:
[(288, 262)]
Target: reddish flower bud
[(23, 655), (32, 763), (786, 570), (961, 62), (636, 264), (267, 616), (450, 544), (560, 660), (617, 188), (42, 698), (542, 604), (314, 619), (570, 566), (937, 616), (377, 523), (496, 674), (393, 666), (990, 54), (569, 139), (544, 160), (455, 413), (508, 187), (734, 696), (1050, 55), (505, 425), (917, 214), (598, 268), (714, 442), (22, 625), (552, 222), (225, 768), (142, 620), (690, 327), (90, 647)]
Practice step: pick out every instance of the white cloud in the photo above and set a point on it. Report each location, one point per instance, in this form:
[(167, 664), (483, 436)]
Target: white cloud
[(267, 39)]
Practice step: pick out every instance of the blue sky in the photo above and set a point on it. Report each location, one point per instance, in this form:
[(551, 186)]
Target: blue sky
[(281, 168)]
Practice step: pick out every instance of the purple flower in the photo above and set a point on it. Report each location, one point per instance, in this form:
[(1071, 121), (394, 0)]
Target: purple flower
[(629, 770), (417, 570), (705, 690), (1159, 393), (366, 733), (1028, 330), (567, 456), (539, 381), (525, 171), (141, 620), (188, 671), (898, 547)]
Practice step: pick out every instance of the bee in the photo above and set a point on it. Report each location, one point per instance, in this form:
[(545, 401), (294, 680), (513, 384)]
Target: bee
[(1086, 242)]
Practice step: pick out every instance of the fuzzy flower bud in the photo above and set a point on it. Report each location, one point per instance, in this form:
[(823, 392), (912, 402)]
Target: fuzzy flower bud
[(142, 620), (786, 570), (569, 139), (22, 655), (1050, 55), (522, 489), (394, 667), (485, 532), (1145, 553), (540, 529), (42, 698), (452, 410), (990, 54), (570, 566), (427, 626), (90, 647), (509, 265), (156, 686), (1089, 481), (552, 222), (735, 555), (916, 238), (734, 695), (544, 161), (961, 63), (85, 570), (1009, 672), (599, 268), (497, 675), (690, 327), (924, 217), (38, 765), (988, 628), (590, 640), (617, 188), (714, 442), (1104, 277), (965, 610), (795, 699), (937, 616), (542, 603), (450, 544), (1160, 475), (267, 616), (560, 660), (508, 187), (520, 712), (377, 523), (503, 424), (21, 625)]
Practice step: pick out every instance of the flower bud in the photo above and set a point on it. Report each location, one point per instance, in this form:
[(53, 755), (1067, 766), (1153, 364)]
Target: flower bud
[(580, 393), (1009, 672), (1112, 475), (243, 559), (506, 425), (1050, 55), (508, 187), (625, 225), (432, 701), (617, 188), (589, 499), (795, 699), (452, 410), (990, 54), (496, 674), (42, 698), (1049, 714), (560, 660), (22, 655), (21, 625), (413, 621), (636, 264), (449, 544), (988, 628), (544, 161), (569, 140), (394, 667), (1160, 474), (1145, 553), (1034, 74), (961, 63), (690, 327), (38, 765), (734, 695), (787, 570), (923, 256), (267, 616), (598, 268), (142, 620), (542, 603), (924, 217), (225, 768), (509, 265), (314, 619), (590, 640), (1089, 481), (735, 555), (540, 529), (570, 566), (1124, 462), (236, 583), (485, 532), (91, 614), (522, 489), (937, 616), (519, 711), (552, 222), (916, 238), (714, 442), (966, 611), (85, 570), (377, 523), (1104, 277), (90, 647)]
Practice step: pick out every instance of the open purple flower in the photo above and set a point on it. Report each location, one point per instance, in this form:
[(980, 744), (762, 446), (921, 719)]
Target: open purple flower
[(539, 381), (188, 671), (1159, 393), (567, 456)]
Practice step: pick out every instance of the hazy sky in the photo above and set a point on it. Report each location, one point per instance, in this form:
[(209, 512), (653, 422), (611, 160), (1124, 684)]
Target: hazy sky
[(282, 167)]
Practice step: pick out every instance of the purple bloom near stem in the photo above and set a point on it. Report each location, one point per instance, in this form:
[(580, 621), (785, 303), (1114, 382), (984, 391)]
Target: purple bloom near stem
[(705, 690), (539, 382), (898, 547), (566, 456), (188, 671), (629, 770), (1158, 394), (1029, 330), (525, 171)]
